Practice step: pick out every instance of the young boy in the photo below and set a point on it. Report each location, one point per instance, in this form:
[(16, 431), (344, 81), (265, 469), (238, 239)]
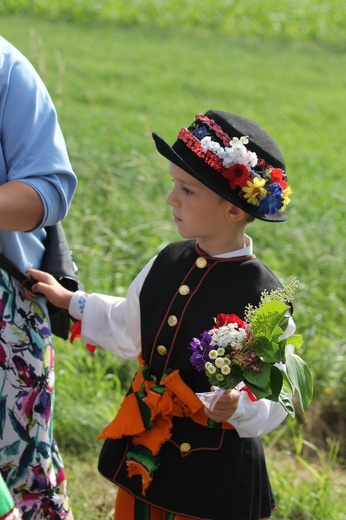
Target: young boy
[(171, 457)]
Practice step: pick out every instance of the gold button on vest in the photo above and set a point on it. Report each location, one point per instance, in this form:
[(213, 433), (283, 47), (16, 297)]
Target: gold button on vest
[(162, 350), (184, 290), (201, 262), (172, 321), (185, 447)]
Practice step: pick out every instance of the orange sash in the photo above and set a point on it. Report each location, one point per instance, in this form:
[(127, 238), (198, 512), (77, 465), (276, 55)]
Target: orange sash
[(146, 415)]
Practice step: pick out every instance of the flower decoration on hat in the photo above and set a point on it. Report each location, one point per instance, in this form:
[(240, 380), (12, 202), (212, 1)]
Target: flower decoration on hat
[(259, 183)]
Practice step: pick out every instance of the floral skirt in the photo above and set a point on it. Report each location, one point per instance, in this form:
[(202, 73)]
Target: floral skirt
[(29, 457)]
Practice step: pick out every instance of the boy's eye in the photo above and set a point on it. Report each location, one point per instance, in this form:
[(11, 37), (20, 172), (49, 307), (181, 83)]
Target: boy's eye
[(187, 191)]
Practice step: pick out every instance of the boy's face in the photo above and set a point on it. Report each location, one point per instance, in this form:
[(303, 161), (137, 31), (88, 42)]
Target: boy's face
[(198, 211)]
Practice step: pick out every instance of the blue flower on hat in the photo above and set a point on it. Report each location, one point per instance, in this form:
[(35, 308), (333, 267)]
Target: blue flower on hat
[(273, 201), (200, 132)]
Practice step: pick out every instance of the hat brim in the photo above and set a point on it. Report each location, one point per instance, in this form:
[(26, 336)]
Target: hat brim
[(210, 178)]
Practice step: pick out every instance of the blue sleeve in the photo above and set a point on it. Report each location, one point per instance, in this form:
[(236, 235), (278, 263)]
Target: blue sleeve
[(32, 144)]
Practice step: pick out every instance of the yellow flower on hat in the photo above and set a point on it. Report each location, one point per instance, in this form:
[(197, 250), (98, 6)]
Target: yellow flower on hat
[(254, 191), (286, 197)]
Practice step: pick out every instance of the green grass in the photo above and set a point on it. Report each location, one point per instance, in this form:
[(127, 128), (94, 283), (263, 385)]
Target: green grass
[(113, 84), (293, 19)]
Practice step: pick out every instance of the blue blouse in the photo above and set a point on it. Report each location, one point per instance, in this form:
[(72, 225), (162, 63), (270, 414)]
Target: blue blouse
[(32, 150)]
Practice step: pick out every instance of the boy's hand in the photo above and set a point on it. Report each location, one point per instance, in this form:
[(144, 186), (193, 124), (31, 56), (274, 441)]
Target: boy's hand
[(225, 406), (50, 288)]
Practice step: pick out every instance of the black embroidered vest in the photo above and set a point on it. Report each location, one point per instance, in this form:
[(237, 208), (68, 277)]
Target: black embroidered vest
[(183, 292)]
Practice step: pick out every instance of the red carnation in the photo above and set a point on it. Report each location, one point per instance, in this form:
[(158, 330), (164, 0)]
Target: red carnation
[(237, 175), (224, 319)]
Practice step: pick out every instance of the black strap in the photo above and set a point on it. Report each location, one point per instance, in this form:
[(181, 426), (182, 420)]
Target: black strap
[(25, 280)]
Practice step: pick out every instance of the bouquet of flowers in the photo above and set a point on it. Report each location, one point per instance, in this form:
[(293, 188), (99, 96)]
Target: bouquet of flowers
[(253, 351)]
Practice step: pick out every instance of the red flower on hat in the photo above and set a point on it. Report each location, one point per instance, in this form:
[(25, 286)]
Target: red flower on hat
[(278, 176), (237, 175)]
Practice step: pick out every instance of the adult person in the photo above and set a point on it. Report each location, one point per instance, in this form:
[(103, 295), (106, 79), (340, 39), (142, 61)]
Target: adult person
[(37, 184)]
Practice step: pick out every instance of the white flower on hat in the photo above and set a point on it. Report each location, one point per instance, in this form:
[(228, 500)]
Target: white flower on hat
[(235, 153), (212, 146)]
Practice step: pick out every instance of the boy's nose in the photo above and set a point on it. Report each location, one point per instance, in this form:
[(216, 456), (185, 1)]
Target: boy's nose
[(171, 200)]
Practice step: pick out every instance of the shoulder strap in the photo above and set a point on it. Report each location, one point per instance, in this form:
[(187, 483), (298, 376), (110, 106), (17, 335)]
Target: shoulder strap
[(13, 270)]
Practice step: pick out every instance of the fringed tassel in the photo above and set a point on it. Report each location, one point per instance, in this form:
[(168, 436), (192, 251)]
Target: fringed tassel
[(76, 332), (141, 462)]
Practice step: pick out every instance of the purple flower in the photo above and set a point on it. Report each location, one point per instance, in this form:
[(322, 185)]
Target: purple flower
[(200, 350)]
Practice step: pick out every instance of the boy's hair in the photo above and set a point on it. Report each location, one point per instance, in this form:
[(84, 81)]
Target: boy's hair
[(249, 219), (235, 158)]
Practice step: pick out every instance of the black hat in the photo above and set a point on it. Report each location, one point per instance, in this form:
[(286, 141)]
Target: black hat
[(235, 158)]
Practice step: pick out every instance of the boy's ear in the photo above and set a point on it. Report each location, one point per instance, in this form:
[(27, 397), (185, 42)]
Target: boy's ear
[(235, 214)]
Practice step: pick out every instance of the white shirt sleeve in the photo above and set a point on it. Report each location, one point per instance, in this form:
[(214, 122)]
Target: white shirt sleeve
[(111, 322), (255, 418)]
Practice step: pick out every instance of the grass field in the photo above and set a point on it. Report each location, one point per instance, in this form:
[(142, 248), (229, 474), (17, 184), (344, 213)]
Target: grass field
[(113, 84), (316, 20)]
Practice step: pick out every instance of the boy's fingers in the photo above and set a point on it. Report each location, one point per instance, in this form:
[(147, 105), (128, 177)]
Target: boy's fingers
[(40, 276)]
